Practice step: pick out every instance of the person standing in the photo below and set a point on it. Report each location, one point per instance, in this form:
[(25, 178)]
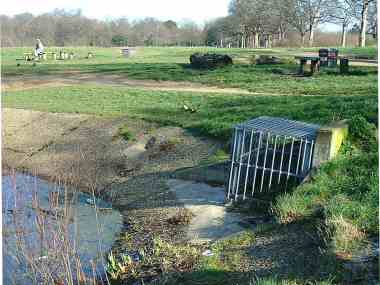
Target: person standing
[(39, 51)]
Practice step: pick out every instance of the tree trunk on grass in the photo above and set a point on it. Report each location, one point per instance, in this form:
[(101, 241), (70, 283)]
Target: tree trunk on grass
[(363, 23), (344, 35)]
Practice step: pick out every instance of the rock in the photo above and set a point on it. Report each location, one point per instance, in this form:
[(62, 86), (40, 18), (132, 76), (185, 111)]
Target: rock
[(209, 60), (151, 142), (267, 59)]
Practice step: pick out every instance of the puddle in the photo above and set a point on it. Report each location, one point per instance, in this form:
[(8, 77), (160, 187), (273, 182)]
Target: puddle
[(211, 220), (89, 233)]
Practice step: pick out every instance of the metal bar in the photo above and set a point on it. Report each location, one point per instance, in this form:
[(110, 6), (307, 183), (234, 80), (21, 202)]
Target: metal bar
[(237, 154), (273, 159), (257, 159), (265, 161), (232, 165), (299, 156), (303, 158), (240, 163), (277, 171), (248, 165), (311, 154), (282, 159), (290, 159)]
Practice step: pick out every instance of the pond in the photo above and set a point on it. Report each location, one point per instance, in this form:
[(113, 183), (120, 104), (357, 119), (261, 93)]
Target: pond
[(52, 232)]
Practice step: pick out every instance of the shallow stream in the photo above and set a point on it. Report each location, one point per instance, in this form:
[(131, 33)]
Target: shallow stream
[(48, 228)]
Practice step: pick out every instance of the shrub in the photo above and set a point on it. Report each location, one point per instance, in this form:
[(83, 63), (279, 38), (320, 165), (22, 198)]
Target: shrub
[(125, 133)]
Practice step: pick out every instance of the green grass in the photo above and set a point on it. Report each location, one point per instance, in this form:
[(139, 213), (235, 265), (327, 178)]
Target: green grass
[(346, 188), (126, 133), (216, 114), (172, 64)]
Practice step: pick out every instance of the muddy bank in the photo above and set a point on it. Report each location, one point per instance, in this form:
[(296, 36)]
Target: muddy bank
[(87, 152)]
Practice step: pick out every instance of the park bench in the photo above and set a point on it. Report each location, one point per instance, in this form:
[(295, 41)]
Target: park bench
[(28, 56), (125, 52), (314, 64), (53, 55)]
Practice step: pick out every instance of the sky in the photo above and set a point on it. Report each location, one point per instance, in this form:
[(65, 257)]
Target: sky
[(177, 10), (199, 11)]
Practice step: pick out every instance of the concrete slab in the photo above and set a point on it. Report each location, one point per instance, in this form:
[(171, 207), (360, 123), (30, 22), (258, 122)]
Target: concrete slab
[(211, 220)]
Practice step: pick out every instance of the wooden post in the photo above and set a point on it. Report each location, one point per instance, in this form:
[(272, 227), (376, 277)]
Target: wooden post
[(314, 67), (344, 66), (303, 62)]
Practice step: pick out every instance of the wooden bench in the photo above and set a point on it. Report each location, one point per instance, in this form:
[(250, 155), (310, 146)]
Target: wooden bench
[(125, 52), (314, 64), (28, 56), (52, 54)]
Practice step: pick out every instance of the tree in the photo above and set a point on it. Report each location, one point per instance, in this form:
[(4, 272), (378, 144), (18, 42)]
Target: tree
[(306, 15), (343, 13), (364, 7), (119, 40), (372, 19)]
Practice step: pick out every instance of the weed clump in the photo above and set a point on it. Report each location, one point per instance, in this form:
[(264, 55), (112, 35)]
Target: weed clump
[(125, 133), (183, 217)]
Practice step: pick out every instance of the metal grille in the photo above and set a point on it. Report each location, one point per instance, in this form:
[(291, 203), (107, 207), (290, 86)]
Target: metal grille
[(268, 153)]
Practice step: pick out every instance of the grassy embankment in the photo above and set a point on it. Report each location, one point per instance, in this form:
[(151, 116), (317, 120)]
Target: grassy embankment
[(343, 195)]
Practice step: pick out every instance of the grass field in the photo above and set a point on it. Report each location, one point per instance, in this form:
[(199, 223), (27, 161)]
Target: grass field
[(172, 64), (346, 189)]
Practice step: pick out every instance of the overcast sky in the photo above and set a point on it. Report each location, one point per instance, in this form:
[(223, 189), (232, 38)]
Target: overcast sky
[(177, 10), (197, 10)]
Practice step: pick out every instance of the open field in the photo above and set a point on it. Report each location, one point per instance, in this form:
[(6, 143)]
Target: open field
[(165, 64), (329, 219)]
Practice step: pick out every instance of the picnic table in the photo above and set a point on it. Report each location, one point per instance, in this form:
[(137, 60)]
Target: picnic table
[(314, 63), (125, 52)]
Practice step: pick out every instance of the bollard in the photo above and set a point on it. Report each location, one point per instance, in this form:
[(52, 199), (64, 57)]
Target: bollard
[(303, 62), (328, 142), (314, 67), (71, 55), (54, 55), (344, 66), (89, 55)]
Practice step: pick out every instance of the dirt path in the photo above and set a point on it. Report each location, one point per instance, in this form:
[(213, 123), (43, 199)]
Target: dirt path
[(33, 81)]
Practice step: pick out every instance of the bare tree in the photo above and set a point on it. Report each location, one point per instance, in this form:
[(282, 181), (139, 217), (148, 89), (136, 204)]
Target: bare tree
[(306, 15), (372, 19), (343, 13), (365, 7)]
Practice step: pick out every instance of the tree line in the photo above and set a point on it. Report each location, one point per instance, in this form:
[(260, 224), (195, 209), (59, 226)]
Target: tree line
[(263, 23), (249, 24), (71, 28)]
